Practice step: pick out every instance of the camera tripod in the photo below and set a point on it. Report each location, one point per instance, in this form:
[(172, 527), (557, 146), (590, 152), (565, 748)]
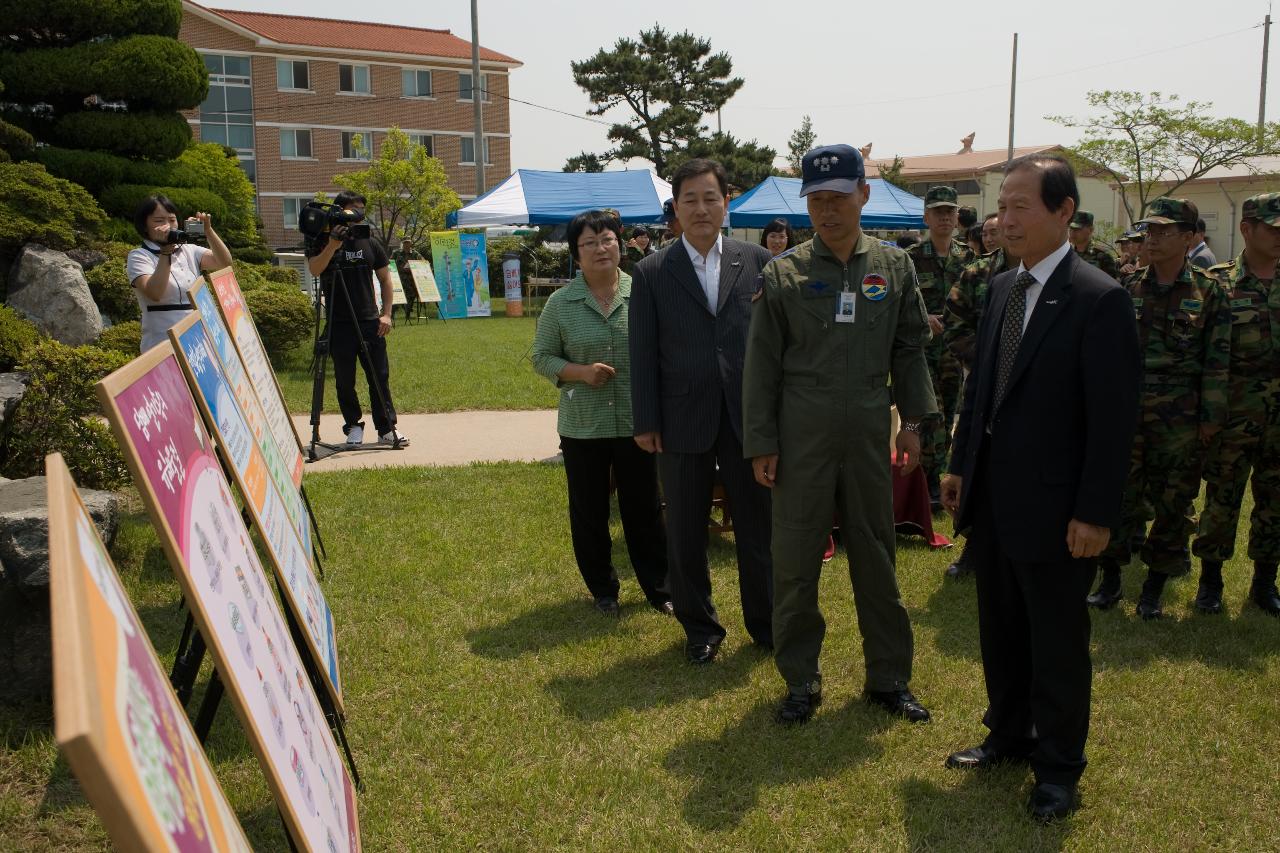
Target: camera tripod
[(324, 309)]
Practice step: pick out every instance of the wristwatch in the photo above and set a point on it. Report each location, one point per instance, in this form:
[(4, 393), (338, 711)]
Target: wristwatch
[(910, 426)]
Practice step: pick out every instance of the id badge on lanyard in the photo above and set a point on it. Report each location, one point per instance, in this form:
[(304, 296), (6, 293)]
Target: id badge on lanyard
[(846, 306)]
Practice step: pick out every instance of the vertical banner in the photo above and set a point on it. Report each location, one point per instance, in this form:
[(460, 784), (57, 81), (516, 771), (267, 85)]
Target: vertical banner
[(397, 287), (189, 500), (116, 719), (256, 364), (475, 273), (424, 280), (446, 255), (290, 558)]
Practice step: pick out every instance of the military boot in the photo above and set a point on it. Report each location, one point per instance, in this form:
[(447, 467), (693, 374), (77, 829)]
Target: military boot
[(1108, 592), (1209, 593), (1149, 600), (1263, 590)]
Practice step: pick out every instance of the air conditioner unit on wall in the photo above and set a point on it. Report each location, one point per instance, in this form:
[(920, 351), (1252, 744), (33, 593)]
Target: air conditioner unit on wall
[(298, 262)]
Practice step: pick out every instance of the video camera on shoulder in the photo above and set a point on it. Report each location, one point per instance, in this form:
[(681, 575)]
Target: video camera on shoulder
[(318, 218)]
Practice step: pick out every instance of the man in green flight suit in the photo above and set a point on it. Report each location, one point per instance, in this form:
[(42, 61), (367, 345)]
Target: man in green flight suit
[(939, 261), (835, 318), (1184, 330), (1089, 249), (1251, 438)]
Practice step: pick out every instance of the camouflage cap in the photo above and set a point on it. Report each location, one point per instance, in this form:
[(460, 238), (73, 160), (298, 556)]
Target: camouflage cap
[(1171, 211), (941, 197), (1135, 236), (1264, 207), (1082, 219)]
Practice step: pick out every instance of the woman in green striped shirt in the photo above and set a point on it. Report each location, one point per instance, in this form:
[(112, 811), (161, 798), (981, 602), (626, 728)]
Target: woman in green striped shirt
[(581, 346)]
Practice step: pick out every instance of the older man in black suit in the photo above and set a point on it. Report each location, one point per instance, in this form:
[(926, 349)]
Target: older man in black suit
[(1037, 473), (689, 314)]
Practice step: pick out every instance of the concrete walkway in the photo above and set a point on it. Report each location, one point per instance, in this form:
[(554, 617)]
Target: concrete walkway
[(452, 438)]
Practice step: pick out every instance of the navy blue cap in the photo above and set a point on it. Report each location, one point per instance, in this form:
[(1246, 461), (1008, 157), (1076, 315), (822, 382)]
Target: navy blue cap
[(832, 167)]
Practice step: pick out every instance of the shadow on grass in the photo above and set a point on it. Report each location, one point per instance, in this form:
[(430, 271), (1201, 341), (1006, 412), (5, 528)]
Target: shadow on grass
[(655, 680), (560, 624), (952, 614), (984, 811), (730, 771)]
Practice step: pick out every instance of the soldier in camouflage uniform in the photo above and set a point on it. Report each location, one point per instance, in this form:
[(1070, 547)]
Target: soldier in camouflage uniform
[(1089, 249), (1184, 325), (965, 305), (939, 262), (1251, 438)]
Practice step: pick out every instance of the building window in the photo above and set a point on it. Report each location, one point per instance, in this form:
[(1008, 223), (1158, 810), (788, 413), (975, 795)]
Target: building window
[(352, 151), (226, 116), (292, 74), (469, 151), (295, 143), (292, 206), (426, 140), (354, 79), (415, 84), (464, 87)]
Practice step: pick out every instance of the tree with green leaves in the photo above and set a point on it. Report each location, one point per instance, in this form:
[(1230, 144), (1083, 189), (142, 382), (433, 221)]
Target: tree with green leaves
[(668, 83), (1152, 144), (801, 142), (585, 162), (892, 174), (747, 163), (406, 191)]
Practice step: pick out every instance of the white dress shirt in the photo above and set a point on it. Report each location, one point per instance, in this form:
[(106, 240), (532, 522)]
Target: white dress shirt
[(707, 268), (1041, 272)]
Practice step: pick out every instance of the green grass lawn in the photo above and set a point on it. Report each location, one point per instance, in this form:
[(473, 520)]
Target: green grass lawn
[(441, 366), (490, 707)]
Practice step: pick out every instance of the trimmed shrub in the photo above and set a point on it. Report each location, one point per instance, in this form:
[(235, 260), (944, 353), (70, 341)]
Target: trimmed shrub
[(257, 254), (282, 275), (93, 170), (17, 335), (60, 412), (118, 230), (282, 315), (37, 207), (250, 276), (124, 338), (16, 142), (158, 135), (109, 284), (77, 20), (122, 199)]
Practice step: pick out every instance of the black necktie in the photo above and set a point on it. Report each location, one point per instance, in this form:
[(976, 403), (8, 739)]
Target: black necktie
[(1011, 334)]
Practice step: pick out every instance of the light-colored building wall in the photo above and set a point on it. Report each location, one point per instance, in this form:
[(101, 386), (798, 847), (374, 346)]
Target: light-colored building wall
[(1219, 202)]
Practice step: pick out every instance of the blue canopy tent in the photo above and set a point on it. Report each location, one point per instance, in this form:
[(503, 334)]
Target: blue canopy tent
[(888, 208), (531, 197)]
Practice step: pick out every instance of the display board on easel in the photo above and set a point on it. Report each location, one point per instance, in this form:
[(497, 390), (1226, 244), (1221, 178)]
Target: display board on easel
[(116, 719), (397, 288), (235, 314), (424, 280), (160, 431), (288, 555)]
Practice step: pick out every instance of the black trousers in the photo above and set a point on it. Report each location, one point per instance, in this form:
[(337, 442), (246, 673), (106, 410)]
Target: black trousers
[(587, 462), (1033, 625), (687, 480), (344, 349)]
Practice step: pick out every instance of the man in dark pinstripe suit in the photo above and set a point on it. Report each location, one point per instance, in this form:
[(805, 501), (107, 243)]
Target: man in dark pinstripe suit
[(689, 314)]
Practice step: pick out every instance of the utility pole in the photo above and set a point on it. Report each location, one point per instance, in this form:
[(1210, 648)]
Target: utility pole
[(1262, 87), (477, 95), (1013, 92)]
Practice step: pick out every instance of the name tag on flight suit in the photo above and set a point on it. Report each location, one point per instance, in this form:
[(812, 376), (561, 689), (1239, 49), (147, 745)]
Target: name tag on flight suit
[(845, 306)]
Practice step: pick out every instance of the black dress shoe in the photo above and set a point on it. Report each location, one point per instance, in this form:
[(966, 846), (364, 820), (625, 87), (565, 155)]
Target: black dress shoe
[(1266, 597), (606, 605), (797, 708), (702, 653), (960, 568), (900, 703), (666, 608), (982, 757), (1052, 802)]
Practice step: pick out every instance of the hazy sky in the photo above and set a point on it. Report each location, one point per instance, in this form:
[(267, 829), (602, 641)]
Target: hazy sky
[(912, 78)]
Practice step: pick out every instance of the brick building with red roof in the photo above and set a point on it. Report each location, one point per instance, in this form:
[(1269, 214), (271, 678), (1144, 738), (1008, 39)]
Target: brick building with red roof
[(290, 94)]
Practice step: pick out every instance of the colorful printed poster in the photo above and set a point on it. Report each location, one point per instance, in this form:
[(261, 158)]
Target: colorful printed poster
[(290, 558), (288, 459), (256, 364), (117, 721), (475, 274), (155, 420), (397, 287), (424, 280), (446, 254)]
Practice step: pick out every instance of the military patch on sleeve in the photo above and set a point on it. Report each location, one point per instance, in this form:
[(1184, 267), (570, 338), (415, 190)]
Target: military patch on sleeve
[(1190, 305)]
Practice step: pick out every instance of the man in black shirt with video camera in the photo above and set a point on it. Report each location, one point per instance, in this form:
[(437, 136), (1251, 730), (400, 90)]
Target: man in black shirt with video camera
[(343, 259)]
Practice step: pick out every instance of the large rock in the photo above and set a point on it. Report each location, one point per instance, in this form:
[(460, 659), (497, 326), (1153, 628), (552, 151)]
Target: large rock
[(88, 258), (12, 387), (50, 290), (26, 663)]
